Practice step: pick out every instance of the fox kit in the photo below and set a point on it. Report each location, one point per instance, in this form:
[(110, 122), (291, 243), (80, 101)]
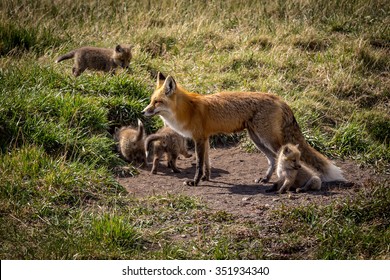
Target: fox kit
[(166, 141), (98, 59), (268, 119), (294, 173), (131, 143)]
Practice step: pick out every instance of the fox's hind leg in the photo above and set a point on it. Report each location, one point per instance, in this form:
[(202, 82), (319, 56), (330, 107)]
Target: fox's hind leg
[(313, 184), (77, 71), (156, 161), (270, 155), (200, 145), (206, 173), (172, 162)]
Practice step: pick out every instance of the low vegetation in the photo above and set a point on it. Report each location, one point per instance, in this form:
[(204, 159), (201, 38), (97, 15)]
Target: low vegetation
[(58, 195)]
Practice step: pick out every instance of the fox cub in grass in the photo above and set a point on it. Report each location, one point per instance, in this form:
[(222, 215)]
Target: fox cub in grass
[(131, 143), (294, 173), (268, 119), (99, 59), (166, 141)]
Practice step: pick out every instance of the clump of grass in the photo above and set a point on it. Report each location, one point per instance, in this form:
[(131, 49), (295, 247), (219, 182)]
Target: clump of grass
[(351, 139), (113, 231), (261, 42), (158, 45), (378, 126), (373, 60), (311, 44), (15, 39)]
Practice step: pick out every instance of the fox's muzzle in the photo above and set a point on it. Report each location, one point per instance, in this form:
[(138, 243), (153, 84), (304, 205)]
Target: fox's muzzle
[(147, 112)]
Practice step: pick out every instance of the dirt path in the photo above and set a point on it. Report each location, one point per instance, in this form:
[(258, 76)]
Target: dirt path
[(232, 187)]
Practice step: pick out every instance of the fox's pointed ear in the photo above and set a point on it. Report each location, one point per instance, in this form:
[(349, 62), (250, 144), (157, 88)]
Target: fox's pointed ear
[(160, 79), (297, 146), (169, 86)]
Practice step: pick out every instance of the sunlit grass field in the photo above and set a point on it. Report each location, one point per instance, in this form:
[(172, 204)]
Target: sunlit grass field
[(330, 60)]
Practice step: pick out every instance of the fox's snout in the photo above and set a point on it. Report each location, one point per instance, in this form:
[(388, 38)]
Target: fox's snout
[(297, 166), (148, 112)]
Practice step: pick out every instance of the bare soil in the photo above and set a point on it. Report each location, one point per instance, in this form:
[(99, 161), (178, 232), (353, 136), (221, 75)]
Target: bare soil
[(232, 187)]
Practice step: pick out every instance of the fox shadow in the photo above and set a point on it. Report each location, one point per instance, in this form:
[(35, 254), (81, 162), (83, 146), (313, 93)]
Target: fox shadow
[(266, 189), (185, 173)]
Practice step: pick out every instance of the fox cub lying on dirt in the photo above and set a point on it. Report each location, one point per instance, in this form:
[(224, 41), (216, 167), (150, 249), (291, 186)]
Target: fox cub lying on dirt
[(131, 143), (166, 141), (99, 59), (294, 173)]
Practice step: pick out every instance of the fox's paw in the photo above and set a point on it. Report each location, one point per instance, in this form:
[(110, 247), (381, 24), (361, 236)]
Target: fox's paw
[(261, 180), (282, 191), (189, 183), (205, 178)]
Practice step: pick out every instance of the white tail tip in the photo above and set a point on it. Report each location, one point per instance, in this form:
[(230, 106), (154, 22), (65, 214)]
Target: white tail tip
[(332, 174)]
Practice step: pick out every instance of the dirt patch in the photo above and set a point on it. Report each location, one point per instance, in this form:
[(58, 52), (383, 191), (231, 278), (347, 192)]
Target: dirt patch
[(232, 187)]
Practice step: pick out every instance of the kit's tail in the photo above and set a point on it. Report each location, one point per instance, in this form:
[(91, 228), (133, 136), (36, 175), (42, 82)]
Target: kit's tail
[(65, 56)]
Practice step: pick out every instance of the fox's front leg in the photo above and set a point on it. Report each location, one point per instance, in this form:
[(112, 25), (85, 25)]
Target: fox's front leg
[(286, 185), (200, 146)]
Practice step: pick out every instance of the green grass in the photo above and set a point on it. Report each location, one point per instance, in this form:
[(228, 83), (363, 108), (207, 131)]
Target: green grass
[(355, 228), (328, 59)]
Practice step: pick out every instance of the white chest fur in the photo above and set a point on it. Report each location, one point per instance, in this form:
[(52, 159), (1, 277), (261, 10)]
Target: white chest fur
[(172, 123)]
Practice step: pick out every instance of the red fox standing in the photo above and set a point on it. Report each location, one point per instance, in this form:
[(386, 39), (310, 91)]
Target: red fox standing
[(268, 119)]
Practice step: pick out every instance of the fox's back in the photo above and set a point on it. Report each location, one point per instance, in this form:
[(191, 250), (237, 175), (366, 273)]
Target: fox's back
[(233, 111), (95, 58)]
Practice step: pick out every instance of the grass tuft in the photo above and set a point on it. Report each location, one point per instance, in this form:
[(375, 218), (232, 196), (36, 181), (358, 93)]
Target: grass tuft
[(15, 39)]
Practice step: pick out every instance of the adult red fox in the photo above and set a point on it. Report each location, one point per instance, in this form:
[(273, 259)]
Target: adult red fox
[(268, 119)]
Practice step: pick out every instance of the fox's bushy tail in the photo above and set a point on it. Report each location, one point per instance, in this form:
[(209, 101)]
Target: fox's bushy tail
[(68, 55)]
